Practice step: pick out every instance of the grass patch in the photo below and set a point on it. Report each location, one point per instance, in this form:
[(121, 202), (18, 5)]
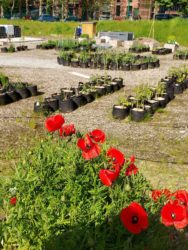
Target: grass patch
[(141, 28)]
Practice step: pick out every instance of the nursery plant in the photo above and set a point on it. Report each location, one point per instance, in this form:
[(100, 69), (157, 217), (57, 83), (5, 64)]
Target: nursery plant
[(76, 191)]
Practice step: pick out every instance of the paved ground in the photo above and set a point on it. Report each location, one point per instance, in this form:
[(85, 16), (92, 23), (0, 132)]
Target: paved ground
[(161, 144)]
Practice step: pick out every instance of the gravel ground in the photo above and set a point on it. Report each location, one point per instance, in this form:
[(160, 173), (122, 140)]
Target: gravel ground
[(160, 141)]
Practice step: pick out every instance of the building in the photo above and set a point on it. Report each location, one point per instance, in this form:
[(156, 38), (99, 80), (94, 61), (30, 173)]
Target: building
[(137, 9)]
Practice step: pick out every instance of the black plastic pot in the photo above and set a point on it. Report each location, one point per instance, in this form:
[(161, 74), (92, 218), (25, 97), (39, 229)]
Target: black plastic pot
[(144, 66), (89, 97), (113, 66), (115, 86), (170, 92), (75, 64), (42, 107), (154, 105), (4, 99), (80, 100), (24, 92), (101, 90), (137, 114), (33, 90), (125, 67), (57, 96), (178, 89), (104, 66), (151, 65), (52, 103), (135, 67), (14, 96), (109, 88), (120, 112), (84, 65), (157, 64), (67, 106), (94, 93), (93, 65), (65, 62), (148, 109), (162, 102), (119, 81)]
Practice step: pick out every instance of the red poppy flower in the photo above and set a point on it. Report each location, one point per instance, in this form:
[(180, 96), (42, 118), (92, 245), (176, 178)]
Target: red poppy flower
[(13, 201), (132, 169), (67, 130), (132, 159), (107, 177), (54, 123), (181, 196), (134, 218), (156, 194), (174, 214), (89, 149), (116, 156), (97, 135)]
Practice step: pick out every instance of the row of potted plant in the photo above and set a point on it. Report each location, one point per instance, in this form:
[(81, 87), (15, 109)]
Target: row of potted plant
[(161, 51), (69, 99), (12, 92), (148, 99), (139, 48), (68, 44), (108, 60), (181, 55), (12, 48)]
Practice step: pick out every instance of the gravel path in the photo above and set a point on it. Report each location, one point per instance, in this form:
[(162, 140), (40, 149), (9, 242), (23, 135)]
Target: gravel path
[(164, 139)]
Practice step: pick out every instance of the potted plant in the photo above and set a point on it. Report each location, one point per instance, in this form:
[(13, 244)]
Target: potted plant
[(21, 89), (84, 59), (121, 110), (160, 95), (138, 113), (52, 103), (65, 58), (75, 62), (32, 89), (66, 103), (125, 62)]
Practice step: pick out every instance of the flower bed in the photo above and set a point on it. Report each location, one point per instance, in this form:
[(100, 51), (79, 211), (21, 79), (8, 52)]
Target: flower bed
[(181, 55), (148, 99), (70, 99), (108, 60), (12, 92), (79, 192)]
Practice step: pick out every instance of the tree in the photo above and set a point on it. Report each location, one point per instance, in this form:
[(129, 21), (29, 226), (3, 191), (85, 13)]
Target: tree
[(168, 4)]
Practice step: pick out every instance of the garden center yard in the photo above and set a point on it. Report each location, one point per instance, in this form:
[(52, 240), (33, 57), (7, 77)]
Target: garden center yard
[(160, 144)]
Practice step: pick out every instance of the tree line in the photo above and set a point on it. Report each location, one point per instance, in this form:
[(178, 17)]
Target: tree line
[(23, 7)]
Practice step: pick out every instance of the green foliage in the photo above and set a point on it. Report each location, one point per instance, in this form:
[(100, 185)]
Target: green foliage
[(84, 36), (4, 80), (61, 201), (141, 28)]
